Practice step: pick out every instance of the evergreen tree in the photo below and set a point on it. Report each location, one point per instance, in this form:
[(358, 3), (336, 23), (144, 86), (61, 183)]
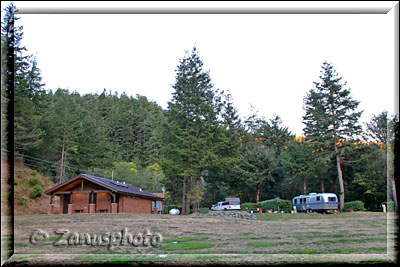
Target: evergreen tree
[(27, 108), (93, 146), (192, 120), (331, 116), (225, 158), (21, 86), (257, 166), (377, 128), (66, 125)]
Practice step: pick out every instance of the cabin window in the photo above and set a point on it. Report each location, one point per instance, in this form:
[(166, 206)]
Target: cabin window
[(318, 198), (332, 199)]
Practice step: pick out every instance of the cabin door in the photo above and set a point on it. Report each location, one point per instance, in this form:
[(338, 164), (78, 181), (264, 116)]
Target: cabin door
[(66, 200)]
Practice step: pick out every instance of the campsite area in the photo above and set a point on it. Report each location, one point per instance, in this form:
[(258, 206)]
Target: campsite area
[(312, 238)]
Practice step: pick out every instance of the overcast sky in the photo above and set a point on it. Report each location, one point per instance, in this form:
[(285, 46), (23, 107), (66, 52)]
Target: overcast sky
[(268, 61)]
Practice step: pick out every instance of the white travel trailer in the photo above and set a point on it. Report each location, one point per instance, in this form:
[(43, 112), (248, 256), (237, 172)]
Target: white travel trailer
[(315, 202)]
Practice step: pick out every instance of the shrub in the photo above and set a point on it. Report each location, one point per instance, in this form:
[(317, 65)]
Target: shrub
[(286, 205), (22, 200), (34, 173), (203, 210), (275, 204), (250, 206), (34, 181), (355, 205), (36, 191)]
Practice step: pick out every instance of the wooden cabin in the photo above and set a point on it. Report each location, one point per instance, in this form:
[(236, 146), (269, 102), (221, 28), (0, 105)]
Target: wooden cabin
[(91, 194)]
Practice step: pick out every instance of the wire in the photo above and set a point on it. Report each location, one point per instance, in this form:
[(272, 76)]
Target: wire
[(54, 166)]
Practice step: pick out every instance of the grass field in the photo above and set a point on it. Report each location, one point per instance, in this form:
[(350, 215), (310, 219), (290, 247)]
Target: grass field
[(272, 238)]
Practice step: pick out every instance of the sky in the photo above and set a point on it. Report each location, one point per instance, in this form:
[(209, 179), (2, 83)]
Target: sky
[(268, 61)]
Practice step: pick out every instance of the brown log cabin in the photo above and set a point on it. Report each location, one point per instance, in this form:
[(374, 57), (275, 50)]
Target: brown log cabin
[(90, 194)]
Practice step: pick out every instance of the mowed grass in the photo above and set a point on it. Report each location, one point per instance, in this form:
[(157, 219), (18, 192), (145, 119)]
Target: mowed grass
[(187, 246), (272, 234)]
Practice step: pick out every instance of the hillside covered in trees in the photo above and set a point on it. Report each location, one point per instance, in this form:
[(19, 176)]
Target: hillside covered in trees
[(198, 150)]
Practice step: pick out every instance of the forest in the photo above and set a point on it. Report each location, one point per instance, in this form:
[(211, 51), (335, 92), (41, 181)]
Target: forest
[(198, 150)]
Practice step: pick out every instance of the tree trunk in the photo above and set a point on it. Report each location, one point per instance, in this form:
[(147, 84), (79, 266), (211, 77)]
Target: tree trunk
[(62, 159), (304, 185), (335, 186), (187, 202), (340, 176), (258, 193), (184, 195), (322, 185), (232, 191), (196, 202), (396, 208)]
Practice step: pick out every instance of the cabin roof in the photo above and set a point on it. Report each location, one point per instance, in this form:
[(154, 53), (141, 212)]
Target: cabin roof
[(114, 186)]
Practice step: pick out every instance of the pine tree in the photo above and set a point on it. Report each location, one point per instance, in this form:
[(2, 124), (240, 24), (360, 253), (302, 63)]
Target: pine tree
[(377, 128), (22, 85), (225, 157), (330, 115), (257, 166), (192, 120)]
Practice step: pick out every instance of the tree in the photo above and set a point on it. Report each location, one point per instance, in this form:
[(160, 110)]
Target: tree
[(66, 125), (303, 160), (331, 116), (22, 86), (227, 147), (377, 128), (28, 95), (258, 164), (192, 120), (275, 135)]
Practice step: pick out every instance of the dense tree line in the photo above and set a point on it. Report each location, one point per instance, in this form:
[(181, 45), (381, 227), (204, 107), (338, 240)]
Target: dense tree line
[(198, 149)]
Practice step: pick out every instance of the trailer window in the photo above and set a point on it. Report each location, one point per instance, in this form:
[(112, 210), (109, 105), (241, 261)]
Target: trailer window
[(318, 198), (304, 200), (295, 201), (332, 199), (301, 201)]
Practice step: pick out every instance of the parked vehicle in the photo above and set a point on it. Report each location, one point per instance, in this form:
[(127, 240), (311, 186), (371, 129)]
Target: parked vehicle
[(321, 202), (228, 204)]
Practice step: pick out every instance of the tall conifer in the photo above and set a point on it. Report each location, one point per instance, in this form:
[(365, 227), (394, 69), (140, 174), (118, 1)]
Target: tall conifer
[(331, 116)]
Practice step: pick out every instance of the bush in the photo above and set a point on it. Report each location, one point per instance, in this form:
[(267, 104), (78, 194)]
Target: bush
[(275, 205), (36, 191), (34, 173), (355, 205), (286, 205), (22, 200), (203, 210), (34, 181), (250, 206)]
